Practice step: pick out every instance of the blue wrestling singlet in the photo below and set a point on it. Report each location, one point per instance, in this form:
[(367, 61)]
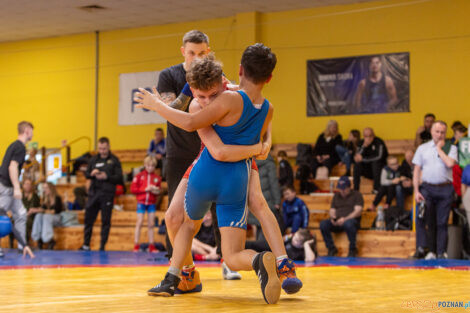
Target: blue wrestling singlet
[(226, 183)]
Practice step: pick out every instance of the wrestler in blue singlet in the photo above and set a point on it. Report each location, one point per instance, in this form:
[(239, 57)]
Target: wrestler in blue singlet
[(226, 183)]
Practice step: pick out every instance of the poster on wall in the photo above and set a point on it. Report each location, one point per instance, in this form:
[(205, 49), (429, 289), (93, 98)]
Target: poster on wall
[(128, 86), (358, 85)]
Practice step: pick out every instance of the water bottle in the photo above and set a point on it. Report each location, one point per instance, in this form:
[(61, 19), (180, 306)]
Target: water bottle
[(380, 222)]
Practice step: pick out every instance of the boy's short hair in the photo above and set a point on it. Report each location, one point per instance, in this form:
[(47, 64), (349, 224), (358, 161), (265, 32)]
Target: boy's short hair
[(103, 140), (195, 36), (23, 125), (291, 188), (149, 159), (159, 129), (430, 115), (204, 73), (282, 154), (258, 62), (305, 234), (391, 157)]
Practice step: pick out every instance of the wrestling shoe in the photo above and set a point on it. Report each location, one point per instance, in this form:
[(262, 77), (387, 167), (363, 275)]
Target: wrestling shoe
[(136, 247), (290, 283), (190, 282), (166, 288), (228, 274), (264, 265)]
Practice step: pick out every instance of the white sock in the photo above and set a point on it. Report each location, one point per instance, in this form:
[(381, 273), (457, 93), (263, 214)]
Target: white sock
[(280, 258), (174, 271)]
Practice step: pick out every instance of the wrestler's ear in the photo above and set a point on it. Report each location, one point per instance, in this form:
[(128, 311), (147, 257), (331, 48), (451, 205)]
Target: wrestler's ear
[(269, 79), (241, 71)]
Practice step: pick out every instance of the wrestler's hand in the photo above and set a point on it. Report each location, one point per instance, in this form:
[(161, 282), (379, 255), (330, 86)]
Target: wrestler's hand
[(264, 152), (150, 101)]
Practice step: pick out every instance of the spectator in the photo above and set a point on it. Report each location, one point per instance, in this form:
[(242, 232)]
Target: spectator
[(433, 164), (286, 174), (47, 217), (406, 179), (204, 246), (301, 246), (459, 132), (104, 172), (10, 189), (294, 210), (80, 199), (389, 181), (345, 215), (369, 159), (466, 191), (31, 166), (324, 153), (457, 126), (347, 150), (423, 134), (269, 186), (157, 148), (32, 204), (146, 186)]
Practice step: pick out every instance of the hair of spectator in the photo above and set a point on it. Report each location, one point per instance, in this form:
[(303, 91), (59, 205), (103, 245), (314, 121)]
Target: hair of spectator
[(159, 129), (204, 73), (195, 36), (23, 125), (258, 62), (291, 188), (103, 140), (282, 154), (328, 127), (305, 234), (456, 123), (430, 115), (150, 160), (356, 134), (440, 122)]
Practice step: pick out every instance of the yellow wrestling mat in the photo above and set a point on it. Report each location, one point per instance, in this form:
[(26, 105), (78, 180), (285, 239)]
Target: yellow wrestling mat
[(326, 289)]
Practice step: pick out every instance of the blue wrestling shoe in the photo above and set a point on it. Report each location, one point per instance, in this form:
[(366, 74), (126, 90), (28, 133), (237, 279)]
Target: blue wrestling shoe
[(290, 283)]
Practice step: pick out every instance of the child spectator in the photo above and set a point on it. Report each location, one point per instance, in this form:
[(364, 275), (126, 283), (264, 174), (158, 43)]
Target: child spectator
[(294, 210), (347, 150), (301, 246), (80, 199), (47, 217), (32, 204), (406, 179), (203, 246), (157, 148), (389, 180), (286, 174), (146, 186)]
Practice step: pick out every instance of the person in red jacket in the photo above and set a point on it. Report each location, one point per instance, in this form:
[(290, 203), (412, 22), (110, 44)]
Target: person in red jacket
[(146, 186)]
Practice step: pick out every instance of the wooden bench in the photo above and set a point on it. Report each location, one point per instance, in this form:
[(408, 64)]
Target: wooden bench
[(322, 201), (130, 155), (373, 243), (394, 147)]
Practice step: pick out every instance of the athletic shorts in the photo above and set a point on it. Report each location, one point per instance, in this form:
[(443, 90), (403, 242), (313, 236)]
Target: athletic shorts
[(186, 174), (141, 208), (225, 183)]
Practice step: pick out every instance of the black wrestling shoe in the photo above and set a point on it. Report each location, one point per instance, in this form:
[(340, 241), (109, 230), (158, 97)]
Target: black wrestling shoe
[(264, 265), (167, 287)]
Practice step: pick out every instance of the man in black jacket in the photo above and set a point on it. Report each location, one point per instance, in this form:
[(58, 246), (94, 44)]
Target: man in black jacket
[(370, 158), (104, 172)]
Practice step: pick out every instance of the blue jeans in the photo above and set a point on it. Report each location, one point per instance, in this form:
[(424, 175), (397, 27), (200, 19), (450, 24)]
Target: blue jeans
[(344, 155), (351, 227), (294, 221)]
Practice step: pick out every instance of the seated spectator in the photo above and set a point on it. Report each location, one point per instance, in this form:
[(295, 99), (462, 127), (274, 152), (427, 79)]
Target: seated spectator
[(47, 217), (294, 210), (32, 204), (345, 215), (79, 203), (157, 148), (423, 134), (460, 131), (457, 125), (389, 181), (301, 246), (406, 179), (324, 152), (286, 174), (146, 186), (204, 246), (369, 159), (347, 150), (466, 191), (31, 166)]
